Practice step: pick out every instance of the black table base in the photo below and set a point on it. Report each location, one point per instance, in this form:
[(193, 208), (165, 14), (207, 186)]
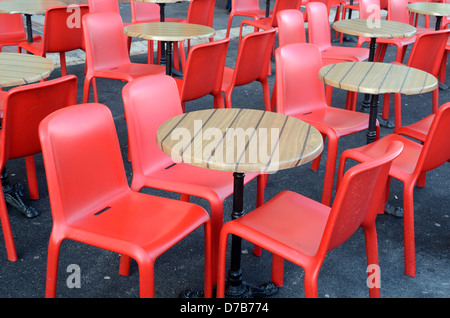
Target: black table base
[(13, 196), (236, 287)]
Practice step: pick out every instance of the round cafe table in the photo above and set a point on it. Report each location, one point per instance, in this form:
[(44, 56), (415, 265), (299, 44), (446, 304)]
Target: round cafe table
[(436, 9), (20, 69), (373, 29), (28, 8), (377, 78), (169, 32), (162, 18), (245, 140)]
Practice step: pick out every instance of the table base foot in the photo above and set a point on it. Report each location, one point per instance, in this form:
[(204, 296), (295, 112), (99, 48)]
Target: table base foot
[(191, 293), (443, 86), (13, 196), (386, 123), (393, 210), (246, 290)]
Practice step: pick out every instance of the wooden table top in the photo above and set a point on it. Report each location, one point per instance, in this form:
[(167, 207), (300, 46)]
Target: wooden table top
[(168, 31), (18, 69), (366, 27), (377, 78), (430, 8), (28, 6), (215, 139)]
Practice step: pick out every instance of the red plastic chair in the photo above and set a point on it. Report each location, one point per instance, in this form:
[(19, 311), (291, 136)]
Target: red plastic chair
[(338, 4), (303, 231), (148, 102), (245, 8), (291, 29), (108, 6), (203, 73), (249, 66), (319, 34), (149, 12), (301, 94), (199, 12), (24, 108), (92, 203), (107, 53), (415, 160), (12, 30), (59, 36), (271, 22), (426, 55)]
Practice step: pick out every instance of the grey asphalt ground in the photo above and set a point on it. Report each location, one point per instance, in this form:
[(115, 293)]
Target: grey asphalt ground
[(343, 274)]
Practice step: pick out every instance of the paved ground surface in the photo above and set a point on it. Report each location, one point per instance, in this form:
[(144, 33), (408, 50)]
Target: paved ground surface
[(343, 274)]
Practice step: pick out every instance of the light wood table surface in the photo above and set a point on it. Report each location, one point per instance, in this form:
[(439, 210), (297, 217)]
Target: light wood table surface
[(187, 138), (168, 32), (28, 8), (436, 9), (374, 29), (377, 78), (19, 69)]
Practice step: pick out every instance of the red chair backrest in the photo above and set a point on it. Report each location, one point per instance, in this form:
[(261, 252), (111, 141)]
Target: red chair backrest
[(318, 25), (253, 57), (397, 11), (25, 107), (201, 12), (204, 69), (436, 148), (369, 9), (281, 5), (291, 27), (144, 11), (63, 28), (82, 159), (106, 44), (103, 6), (11, 26), (149, 101), (244, 5), (358, 198), (299, 88), (428, 50)]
